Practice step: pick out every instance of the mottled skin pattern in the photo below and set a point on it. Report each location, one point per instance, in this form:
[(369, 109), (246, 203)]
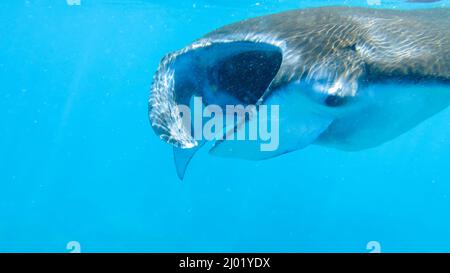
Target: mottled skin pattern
[(354, 44), (342, 48)]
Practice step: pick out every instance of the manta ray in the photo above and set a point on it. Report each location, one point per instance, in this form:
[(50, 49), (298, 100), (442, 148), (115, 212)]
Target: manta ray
[(347, 78)]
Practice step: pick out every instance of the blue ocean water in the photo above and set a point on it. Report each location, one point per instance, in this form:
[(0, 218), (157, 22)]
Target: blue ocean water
[(80, 162)]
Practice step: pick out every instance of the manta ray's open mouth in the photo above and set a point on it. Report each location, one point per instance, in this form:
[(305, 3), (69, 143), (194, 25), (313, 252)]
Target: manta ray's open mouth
[(222, 73), (243, 75)]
